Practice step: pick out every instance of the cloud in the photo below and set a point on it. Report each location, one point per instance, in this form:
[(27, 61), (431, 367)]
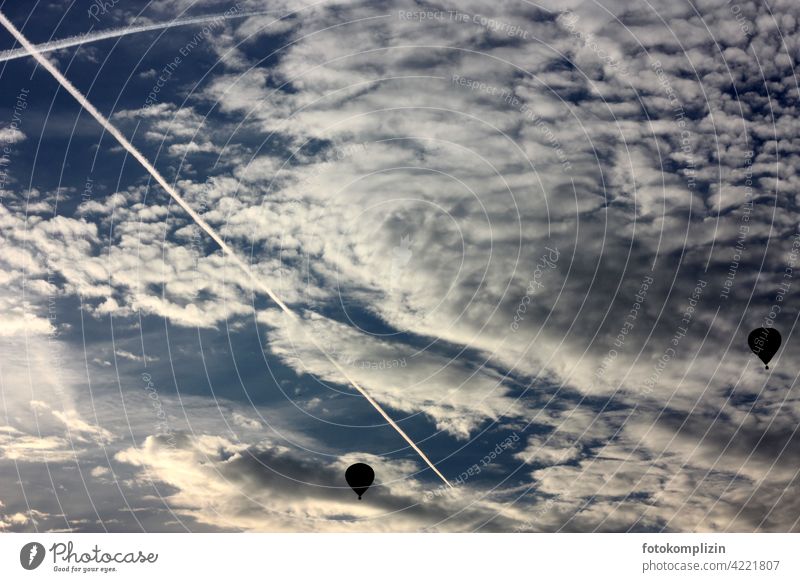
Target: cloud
[(133, 357), (264, 487), (10, 135), (454, 394), (245, 421), (399, 182)]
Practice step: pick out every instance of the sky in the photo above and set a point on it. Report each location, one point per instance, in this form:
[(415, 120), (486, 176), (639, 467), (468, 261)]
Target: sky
[(537, 234)]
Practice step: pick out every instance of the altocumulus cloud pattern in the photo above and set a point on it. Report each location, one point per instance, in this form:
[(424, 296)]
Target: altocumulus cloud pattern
[(505, 258)]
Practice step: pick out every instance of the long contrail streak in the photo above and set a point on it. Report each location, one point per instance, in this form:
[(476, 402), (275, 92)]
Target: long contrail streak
[(80, 39), (110, 128)]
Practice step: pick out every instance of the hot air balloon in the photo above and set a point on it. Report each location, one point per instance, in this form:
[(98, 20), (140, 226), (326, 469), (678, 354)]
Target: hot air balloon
[(764, 341), (359, 477)]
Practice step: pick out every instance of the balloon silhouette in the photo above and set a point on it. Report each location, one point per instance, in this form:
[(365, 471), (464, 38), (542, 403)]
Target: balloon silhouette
[(764, 341), (359, 477)]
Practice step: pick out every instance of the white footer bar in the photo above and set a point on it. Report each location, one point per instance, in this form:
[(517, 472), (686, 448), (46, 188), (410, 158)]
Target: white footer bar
[(390, 557)]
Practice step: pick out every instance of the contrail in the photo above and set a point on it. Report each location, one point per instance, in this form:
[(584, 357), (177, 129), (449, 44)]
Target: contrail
[(124, 31), (110, 128)]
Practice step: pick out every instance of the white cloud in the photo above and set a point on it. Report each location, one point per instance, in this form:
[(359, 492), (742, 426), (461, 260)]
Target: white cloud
[(384, 191), (10, 135), (264, 487)]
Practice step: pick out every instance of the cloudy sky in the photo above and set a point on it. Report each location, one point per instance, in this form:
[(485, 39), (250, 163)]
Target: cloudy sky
[(537, 233)]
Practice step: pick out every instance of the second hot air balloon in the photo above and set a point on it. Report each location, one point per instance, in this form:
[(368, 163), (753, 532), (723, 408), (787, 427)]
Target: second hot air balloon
[(764, 342)]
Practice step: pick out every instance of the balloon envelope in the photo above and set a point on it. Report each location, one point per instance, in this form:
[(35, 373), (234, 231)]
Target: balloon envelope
[(359, 477), (764, 342)]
